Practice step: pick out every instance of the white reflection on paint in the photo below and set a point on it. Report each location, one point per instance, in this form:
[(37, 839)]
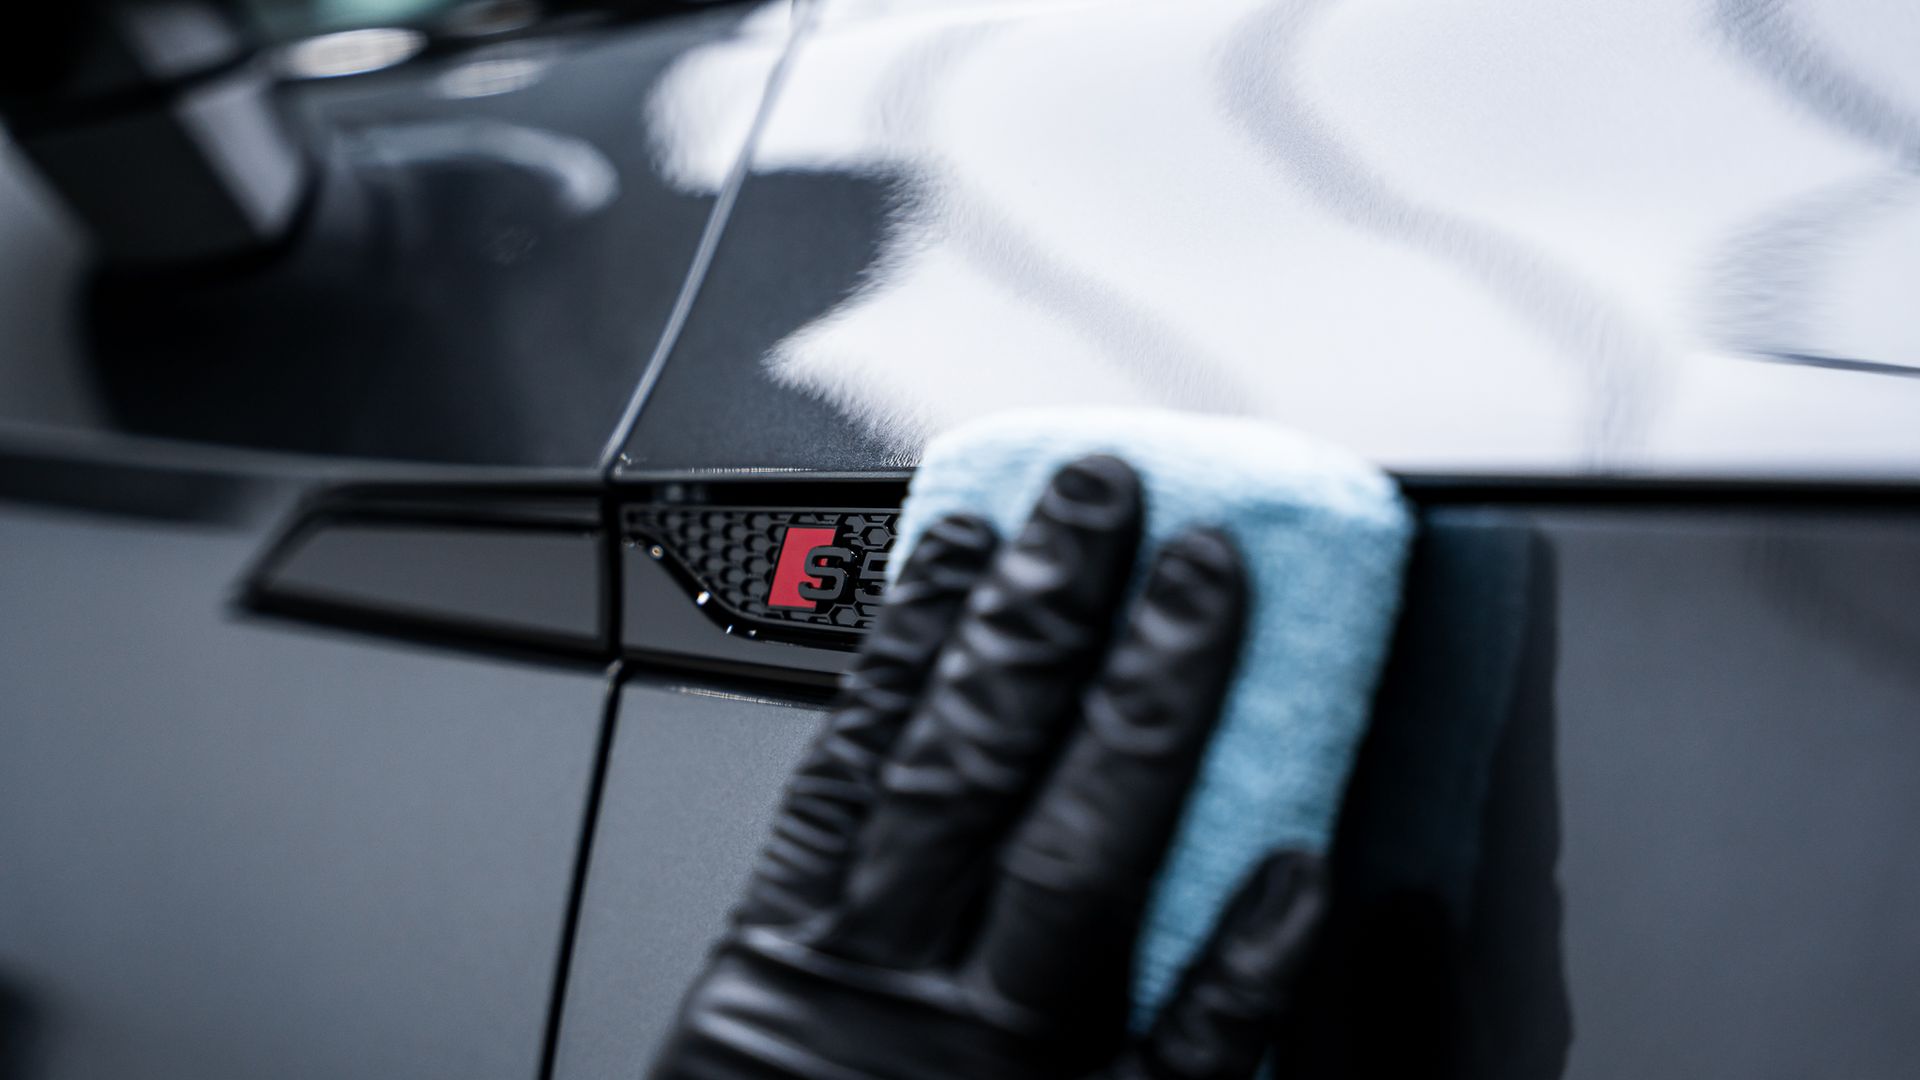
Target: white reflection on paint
[(499, 70), (351, 52), (1480, 235)]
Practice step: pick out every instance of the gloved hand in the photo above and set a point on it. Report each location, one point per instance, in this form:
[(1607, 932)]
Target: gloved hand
[(956, 880)]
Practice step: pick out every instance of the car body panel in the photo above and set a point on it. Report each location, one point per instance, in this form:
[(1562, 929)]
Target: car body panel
[(234, 847), (479, 279), (693, 774)]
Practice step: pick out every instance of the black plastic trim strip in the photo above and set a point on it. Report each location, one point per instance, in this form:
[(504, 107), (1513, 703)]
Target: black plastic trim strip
[(529, 505), (789, 492), (790, 683), (788, 487), (78, 474), (553, 507), (510, 643), (612, 573), (525, 504), (1665, 493)]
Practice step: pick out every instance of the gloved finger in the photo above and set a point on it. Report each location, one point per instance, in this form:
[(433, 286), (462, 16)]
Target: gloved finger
[(990, 722), (804, 862), (1247, 983), (1075, 875)]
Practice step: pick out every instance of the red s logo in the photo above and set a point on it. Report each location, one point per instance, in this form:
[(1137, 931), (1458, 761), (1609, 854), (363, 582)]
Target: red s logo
[(797, 579)]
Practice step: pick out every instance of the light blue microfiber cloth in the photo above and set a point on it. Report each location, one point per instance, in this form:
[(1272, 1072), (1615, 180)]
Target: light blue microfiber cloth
[(1324, 536)]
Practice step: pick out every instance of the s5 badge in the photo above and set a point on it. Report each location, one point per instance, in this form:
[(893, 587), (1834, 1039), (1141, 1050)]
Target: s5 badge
[(815, 576)]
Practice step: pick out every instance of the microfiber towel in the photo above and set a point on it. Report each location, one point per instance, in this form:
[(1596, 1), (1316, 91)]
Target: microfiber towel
[(1324, 536)]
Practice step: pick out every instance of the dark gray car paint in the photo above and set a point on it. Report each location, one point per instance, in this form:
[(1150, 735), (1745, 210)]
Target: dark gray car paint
[(796, 245), (478, 280), (236, 848), (1737, 783), (692, 779)]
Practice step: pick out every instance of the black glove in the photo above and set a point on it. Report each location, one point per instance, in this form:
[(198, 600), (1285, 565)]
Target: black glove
[(956, 880)]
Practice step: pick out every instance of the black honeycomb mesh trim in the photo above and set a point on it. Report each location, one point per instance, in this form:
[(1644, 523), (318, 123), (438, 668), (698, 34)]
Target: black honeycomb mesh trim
[(729, 552)]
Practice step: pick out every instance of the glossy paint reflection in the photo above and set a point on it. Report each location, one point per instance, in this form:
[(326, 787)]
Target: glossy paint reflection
[(481, 276), (1479, 238)]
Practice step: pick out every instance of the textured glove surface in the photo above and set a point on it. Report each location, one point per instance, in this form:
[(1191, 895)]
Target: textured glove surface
[(956, 879)]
